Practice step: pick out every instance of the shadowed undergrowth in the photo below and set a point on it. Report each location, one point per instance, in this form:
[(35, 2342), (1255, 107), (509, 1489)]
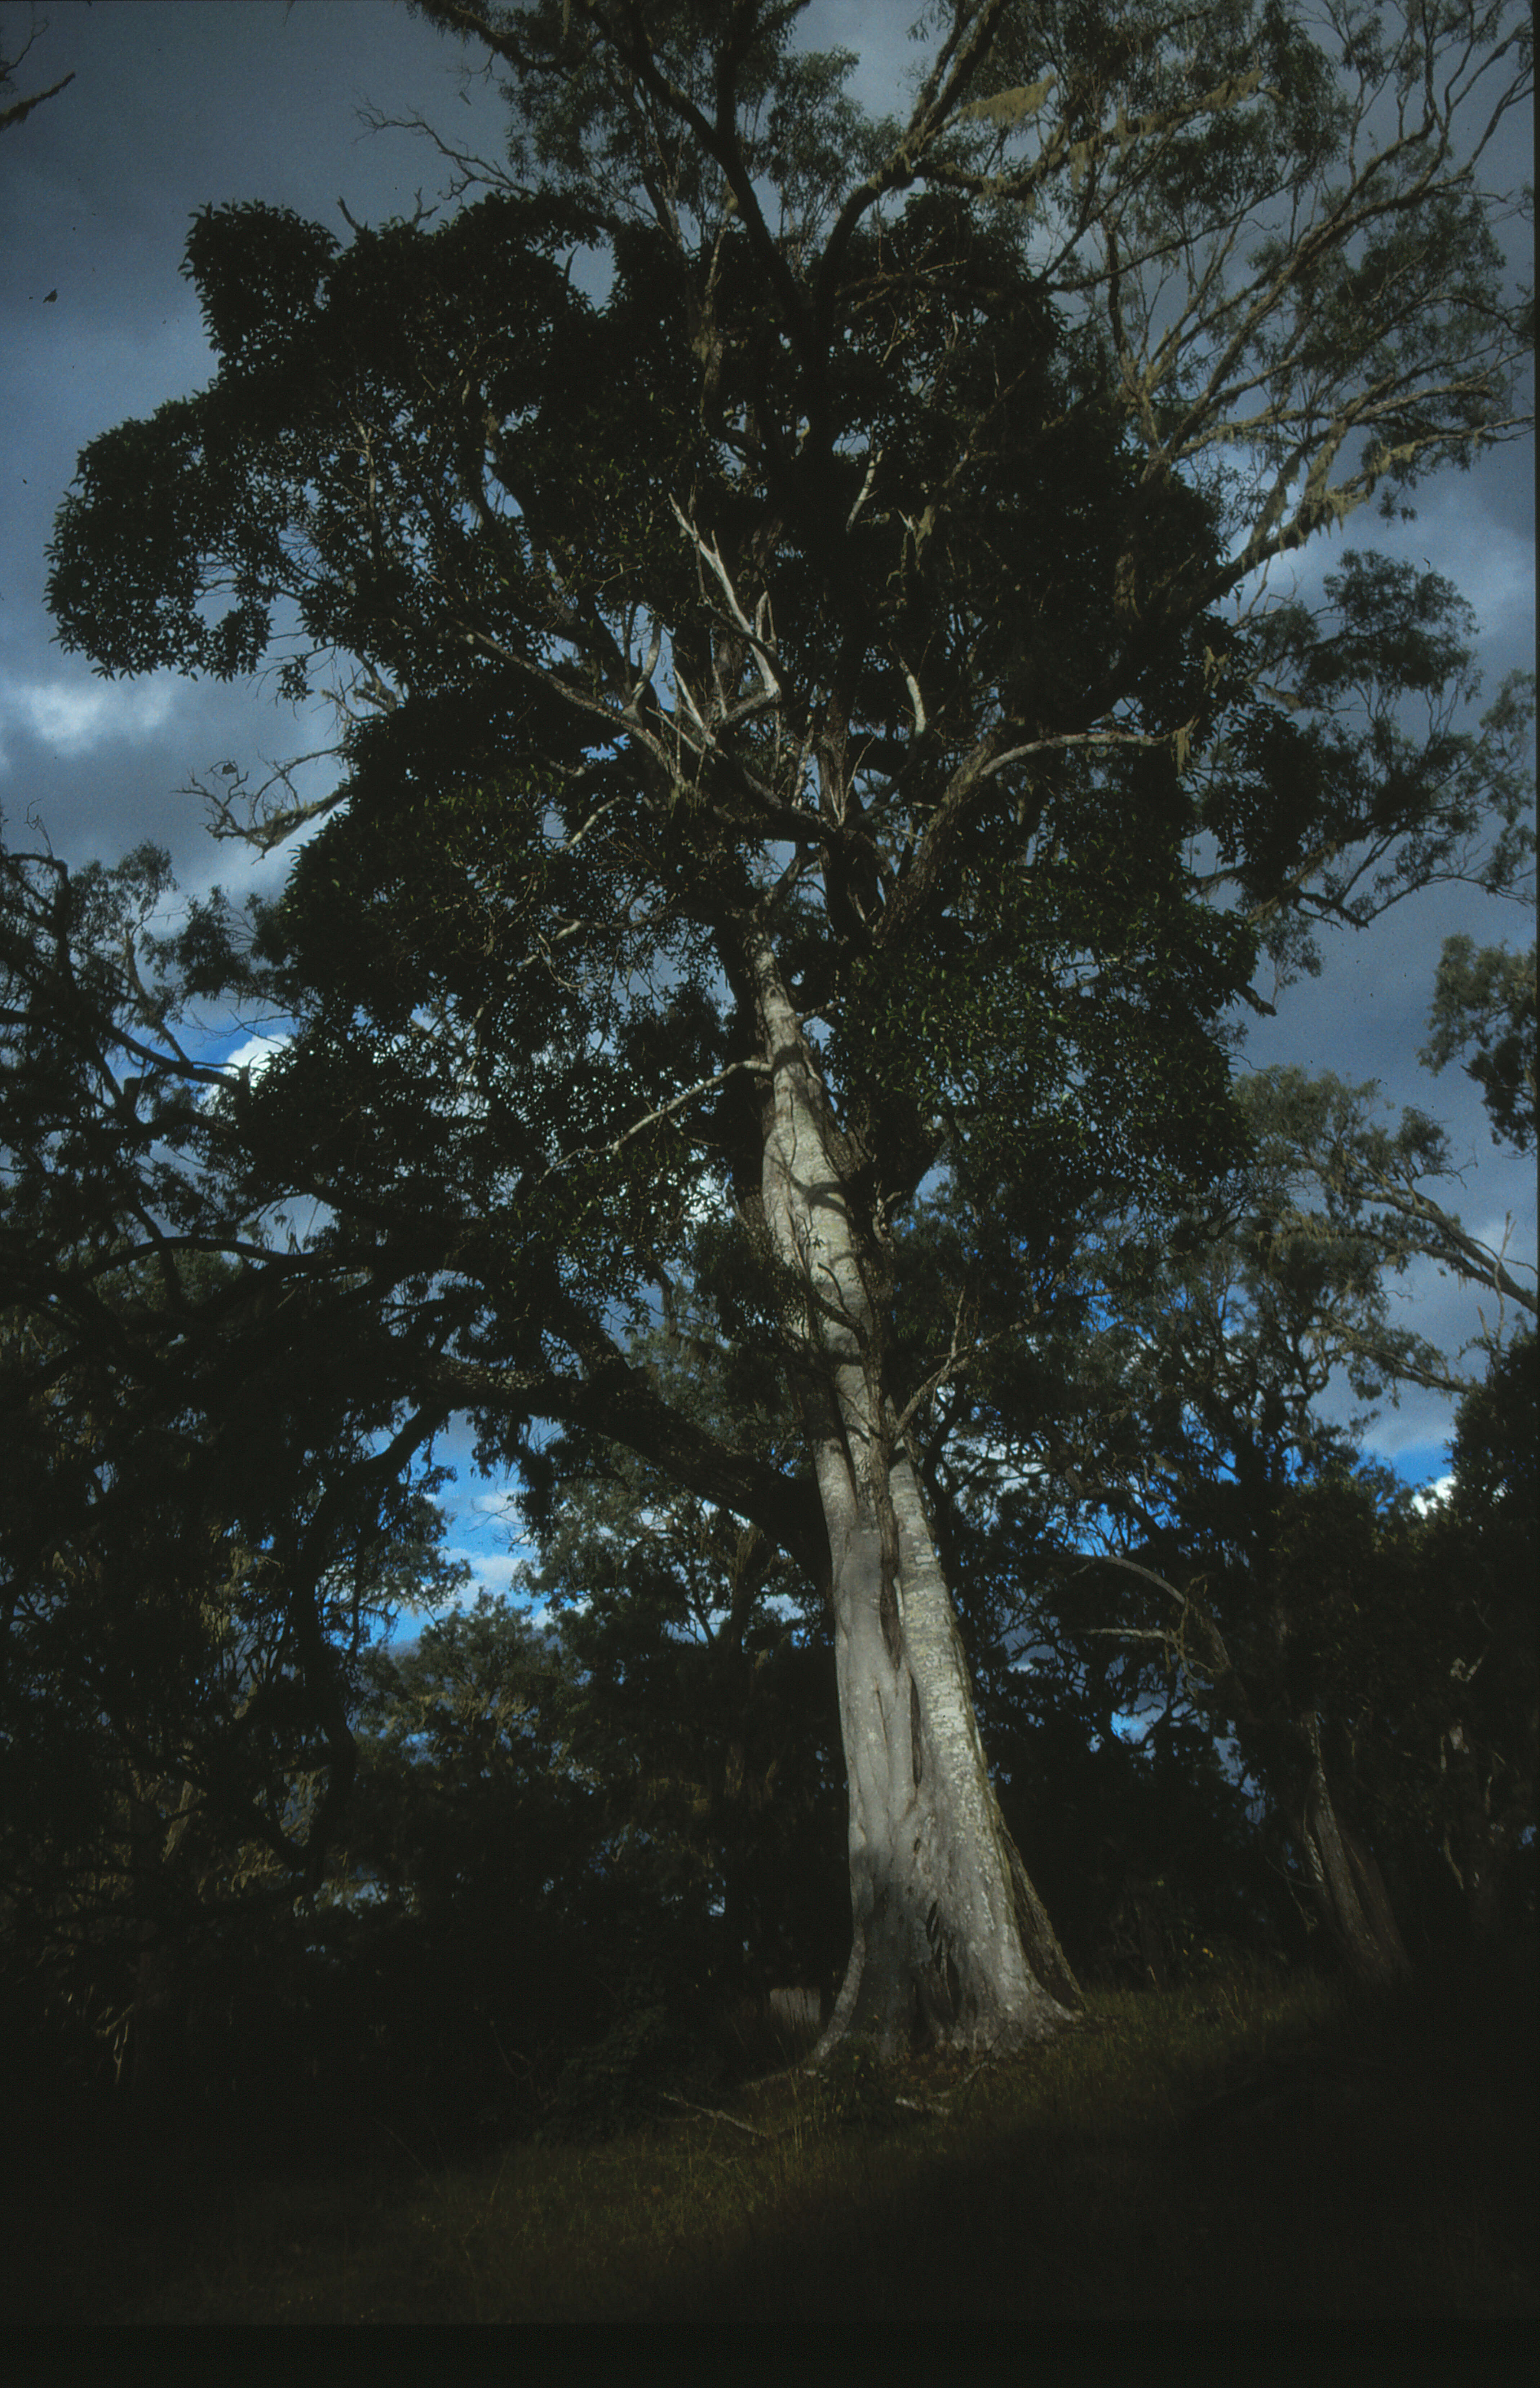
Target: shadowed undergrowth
[(1258, 2146)]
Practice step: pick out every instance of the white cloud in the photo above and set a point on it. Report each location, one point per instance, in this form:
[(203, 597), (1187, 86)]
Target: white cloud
[(504, 1575), (73, 720), (497, 1508), (255, 1054), (1432, 1496), (492, 1572)]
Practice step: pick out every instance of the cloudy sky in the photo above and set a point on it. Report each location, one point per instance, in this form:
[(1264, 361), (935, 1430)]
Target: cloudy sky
[(178, 103)]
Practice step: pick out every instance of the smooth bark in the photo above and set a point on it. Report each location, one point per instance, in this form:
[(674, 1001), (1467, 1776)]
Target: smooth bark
[(949, 1941), (1348, 1887)]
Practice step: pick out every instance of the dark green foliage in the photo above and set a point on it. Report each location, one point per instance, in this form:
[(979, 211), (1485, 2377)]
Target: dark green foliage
[(313, 340), (1487, 999), (197, 1539), (1478, 1682), (519, 1899), (706, 1710), (1368, 779), (987, 602), (848, 577), (613, 2083)]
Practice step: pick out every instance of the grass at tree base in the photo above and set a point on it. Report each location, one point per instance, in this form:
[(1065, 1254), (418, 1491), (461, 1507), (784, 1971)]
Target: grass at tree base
[(1256, 2147)]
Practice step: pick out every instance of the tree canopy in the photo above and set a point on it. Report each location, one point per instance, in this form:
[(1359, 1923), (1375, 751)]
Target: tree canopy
[(818, 763)]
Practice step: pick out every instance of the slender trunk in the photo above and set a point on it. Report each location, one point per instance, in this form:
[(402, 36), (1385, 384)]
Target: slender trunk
[(1151, 1937), (1479, 1865), (1349, 1889), (950, 1942)]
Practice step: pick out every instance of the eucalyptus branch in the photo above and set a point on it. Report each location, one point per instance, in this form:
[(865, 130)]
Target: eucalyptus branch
[(1443, 1236), (763, 650), (267, 828), (611, 1151), (1216, 1666), (994, 753)]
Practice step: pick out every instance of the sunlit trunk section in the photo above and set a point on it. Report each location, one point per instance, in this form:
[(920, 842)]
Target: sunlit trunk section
[(949, 1942)]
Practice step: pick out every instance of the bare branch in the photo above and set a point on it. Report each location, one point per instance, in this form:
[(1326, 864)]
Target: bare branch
[(611, 1151)]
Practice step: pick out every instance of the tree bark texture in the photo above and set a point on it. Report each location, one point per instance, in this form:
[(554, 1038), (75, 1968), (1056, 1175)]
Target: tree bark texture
[(950, 1943), (1349, 1889)]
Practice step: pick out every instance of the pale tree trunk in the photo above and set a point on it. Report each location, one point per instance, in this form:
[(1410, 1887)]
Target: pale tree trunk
[(950, 1943), (1349, 1889)]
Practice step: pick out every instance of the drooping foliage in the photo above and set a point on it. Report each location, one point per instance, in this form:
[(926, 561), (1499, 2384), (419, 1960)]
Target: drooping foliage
[(1487, 999)]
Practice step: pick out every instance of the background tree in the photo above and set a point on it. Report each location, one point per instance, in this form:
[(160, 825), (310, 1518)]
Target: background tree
[(1350, 1184), (1487, 999), (197, 1540), (794, 744), (1479, 1699), (707, 1705), (481, 1923), (1287, 1580), (1372, 1181), (172, 1767)]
